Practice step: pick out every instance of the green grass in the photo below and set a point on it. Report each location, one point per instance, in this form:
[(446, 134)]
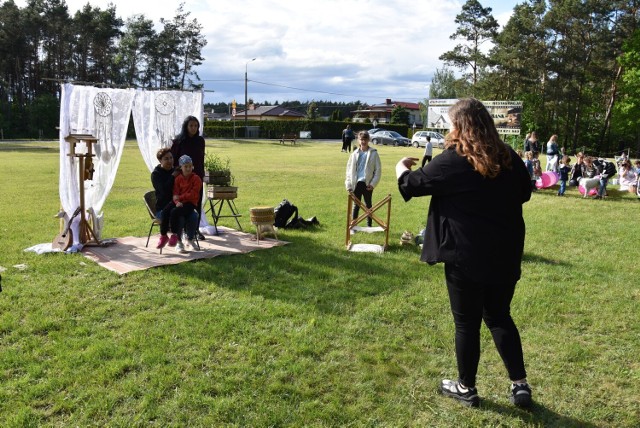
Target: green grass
[(307, 334)]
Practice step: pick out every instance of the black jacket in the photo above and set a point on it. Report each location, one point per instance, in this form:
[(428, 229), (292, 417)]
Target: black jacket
[(162, 181), (474, 223), (195, 148)]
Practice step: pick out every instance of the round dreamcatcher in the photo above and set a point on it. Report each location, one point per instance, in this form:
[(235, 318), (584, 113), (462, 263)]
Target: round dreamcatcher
[(102, 103), (165, 118), (165, 104)]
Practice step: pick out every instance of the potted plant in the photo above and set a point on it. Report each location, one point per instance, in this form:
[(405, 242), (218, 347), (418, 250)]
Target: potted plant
[(216, 170)]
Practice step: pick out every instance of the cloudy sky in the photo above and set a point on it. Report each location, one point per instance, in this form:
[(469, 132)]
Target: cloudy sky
[(338, 50)]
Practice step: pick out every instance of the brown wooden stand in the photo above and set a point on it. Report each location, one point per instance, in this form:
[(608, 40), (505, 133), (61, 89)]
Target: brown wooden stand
[(367, 212), (85, 172)]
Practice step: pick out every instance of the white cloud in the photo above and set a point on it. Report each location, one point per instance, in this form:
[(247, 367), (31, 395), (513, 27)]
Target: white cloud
[(364, 49)]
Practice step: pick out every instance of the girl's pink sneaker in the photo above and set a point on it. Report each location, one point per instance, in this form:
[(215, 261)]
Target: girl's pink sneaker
[(163, 241)]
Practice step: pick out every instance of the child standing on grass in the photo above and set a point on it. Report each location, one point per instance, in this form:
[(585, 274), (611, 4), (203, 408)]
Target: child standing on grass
[(186, 194), (428, 152), (537, 169), (528, 162), (564, 174)]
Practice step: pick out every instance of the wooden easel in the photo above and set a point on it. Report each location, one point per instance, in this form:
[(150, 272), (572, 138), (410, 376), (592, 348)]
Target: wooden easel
[(367, 212), (85, 172)]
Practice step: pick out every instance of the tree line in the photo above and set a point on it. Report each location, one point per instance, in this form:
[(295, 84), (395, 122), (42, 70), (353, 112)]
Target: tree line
[(42, 45), (575, 64)]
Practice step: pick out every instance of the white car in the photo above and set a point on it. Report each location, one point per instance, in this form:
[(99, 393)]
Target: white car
[(419, 139)]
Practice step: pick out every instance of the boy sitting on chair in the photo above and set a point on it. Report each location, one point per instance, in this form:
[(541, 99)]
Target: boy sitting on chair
[(186, 192)]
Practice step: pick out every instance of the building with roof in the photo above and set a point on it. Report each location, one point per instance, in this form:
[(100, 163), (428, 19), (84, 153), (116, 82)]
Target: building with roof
[(270, 113), (382, 112)]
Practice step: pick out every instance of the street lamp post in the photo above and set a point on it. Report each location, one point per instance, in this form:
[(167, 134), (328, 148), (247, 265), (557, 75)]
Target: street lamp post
[(246, 106)]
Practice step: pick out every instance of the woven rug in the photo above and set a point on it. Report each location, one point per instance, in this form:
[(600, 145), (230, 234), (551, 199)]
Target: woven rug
[(130, 254)]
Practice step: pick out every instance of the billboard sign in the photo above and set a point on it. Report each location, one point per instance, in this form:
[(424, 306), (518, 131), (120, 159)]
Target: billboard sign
[(506, 114)]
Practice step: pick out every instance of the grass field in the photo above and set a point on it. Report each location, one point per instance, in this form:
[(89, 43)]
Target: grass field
[(307, 334)]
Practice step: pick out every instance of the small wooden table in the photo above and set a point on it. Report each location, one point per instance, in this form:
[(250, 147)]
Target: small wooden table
[(217, 195)]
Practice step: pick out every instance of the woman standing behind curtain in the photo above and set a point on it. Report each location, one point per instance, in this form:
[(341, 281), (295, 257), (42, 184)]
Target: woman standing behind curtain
[(475, 227), (190, 142)]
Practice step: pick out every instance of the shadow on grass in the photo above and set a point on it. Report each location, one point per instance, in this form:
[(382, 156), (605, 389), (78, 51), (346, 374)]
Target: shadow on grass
[(328, 278), (536, 258), (538, 415)]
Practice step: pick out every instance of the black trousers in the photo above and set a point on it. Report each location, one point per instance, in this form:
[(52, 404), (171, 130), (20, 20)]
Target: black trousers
[(165, 217), (184, 217), (471, 302), (361, 191), (346, 144)]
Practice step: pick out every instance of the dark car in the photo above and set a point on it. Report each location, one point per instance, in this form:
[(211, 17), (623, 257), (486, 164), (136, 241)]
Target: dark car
[(390, 137)]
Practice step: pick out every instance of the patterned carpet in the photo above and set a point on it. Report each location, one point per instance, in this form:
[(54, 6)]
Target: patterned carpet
[(130, 254)]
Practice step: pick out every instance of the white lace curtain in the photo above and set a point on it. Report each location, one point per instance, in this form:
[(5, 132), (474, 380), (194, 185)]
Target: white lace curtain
[(158, 117), (105, 113)]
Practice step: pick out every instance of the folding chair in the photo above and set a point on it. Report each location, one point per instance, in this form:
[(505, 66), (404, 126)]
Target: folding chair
[(150, 202)]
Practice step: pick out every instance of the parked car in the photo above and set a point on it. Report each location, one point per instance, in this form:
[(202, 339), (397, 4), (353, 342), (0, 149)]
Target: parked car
[(419, 139), (389, 137)]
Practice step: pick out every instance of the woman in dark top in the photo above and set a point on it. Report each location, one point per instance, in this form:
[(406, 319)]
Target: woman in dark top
[(162, 179), (475, 227), (190, 142)]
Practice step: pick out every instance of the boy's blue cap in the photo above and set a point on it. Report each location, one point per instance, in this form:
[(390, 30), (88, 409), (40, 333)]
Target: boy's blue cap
[(184, 159)]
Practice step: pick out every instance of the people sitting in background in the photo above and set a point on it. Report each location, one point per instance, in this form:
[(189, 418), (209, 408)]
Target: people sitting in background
[(564, 174), (637, 166), (622, 158), (186, 194), (628, 177)]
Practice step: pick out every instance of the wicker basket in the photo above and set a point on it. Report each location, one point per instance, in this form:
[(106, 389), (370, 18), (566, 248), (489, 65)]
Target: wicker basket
[(262, 215)]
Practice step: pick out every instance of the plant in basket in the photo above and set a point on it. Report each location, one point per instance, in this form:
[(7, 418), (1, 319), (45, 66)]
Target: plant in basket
[(217, 170)]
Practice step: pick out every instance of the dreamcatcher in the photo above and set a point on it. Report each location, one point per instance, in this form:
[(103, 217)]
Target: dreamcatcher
[(104, 126), (165, 118)]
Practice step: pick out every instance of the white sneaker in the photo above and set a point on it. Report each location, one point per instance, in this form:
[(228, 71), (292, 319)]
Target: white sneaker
[(180, 247), (194, 244)]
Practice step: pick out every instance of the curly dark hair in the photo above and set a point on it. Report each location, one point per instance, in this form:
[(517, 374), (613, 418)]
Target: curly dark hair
[(160, 154), (474, 136)]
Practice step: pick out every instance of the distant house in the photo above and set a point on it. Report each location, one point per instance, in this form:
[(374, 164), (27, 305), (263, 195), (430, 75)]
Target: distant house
[(270, 113), (220, 117), (382, 112)]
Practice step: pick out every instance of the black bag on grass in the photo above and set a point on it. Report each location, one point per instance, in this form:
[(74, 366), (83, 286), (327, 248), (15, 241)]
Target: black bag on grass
[(283, 212)]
